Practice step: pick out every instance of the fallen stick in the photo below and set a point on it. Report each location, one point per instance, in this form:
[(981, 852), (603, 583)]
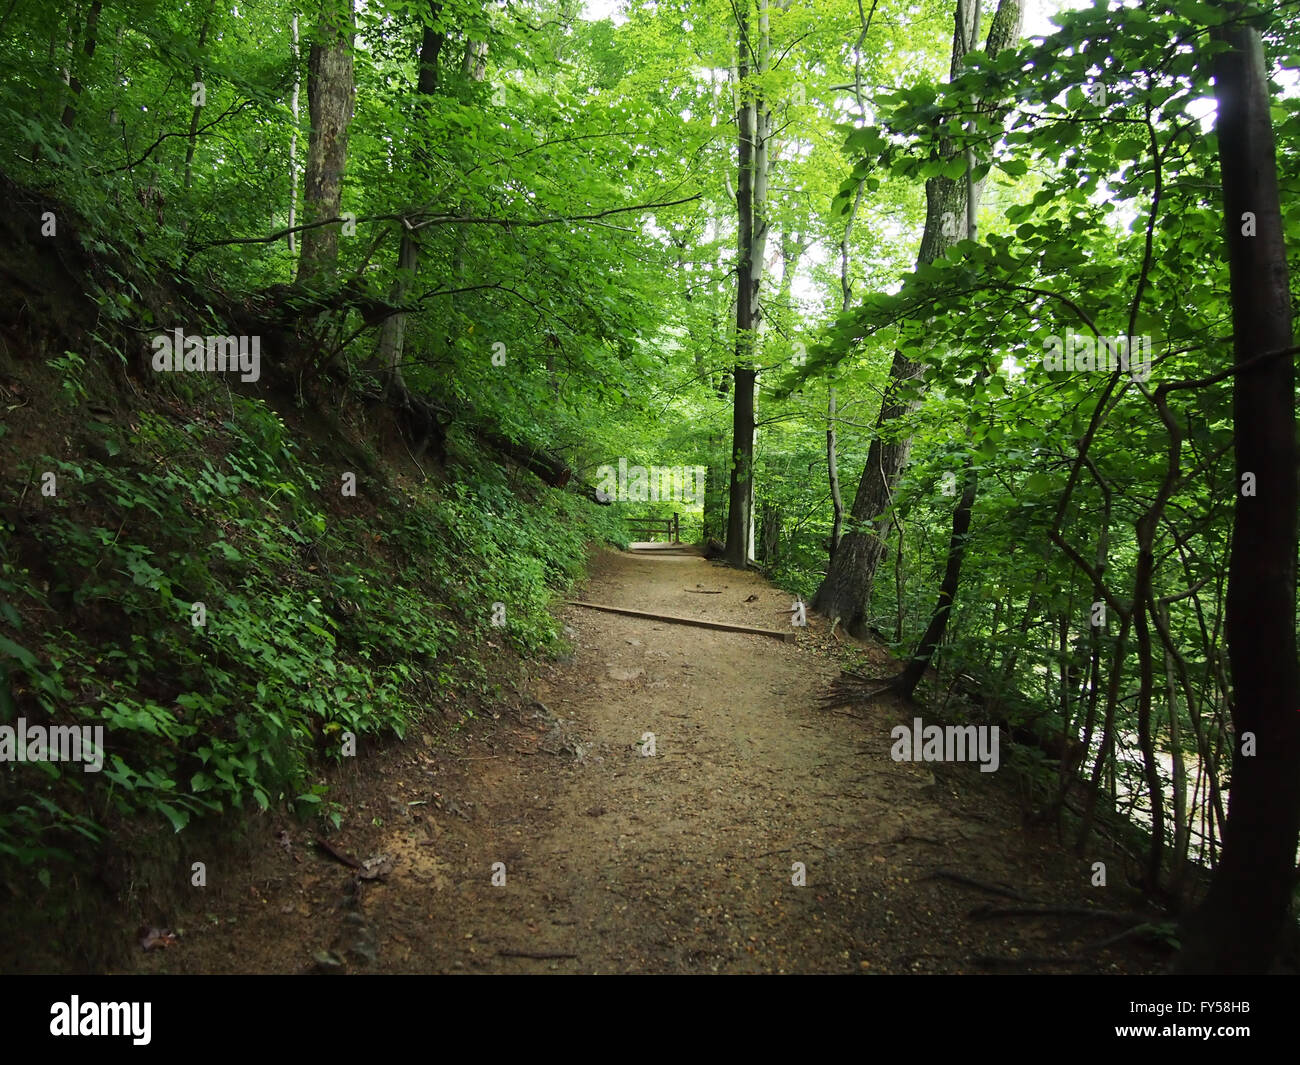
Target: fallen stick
[(338, 855), (660, 551), (721, 626), (702, 591)]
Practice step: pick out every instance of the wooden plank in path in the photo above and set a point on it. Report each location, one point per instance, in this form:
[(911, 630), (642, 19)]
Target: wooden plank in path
[(722, 626)]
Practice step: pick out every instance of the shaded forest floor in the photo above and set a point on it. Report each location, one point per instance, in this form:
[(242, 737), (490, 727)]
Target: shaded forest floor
[(676, 862)]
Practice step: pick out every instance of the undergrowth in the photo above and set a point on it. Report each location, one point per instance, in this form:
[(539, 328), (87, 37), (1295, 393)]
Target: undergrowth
[(234, 617)]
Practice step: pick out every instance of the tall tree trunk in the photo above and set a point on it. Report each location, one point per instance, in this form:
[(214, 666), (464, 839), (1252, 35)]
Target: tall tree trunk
[(753, 120), (845, 592), (331, 92), (392, 335), (1238, 927), (846, 300), (71, 75), (192, 138), (293, 137)]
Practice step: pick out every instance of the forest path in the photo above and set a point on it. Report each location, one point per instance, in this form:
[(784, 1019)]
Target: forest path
[(678, 861)]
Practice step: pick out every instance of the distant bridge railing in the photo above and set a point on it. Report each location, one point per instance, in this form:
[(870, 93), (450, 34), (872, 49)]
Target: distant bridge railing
[(644, 529)]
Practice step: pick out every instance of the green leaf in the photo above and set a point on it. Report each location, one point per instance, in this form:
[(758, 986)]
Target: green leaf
[(178, 818), (25, 658), (1039, 483)]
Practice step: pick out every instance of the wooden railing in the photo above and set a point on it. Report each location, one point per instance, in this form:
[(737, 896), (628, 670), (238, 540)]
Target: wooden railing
[(644, 529)]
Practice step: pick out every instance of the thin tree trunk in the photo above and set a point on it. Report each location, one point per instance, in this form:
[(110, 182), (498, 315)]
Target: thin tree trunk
[(88, 52), (1181, 824), (833, 473), (192, 139), (753, 122), (293, 138), (846, 299), (915, 669)]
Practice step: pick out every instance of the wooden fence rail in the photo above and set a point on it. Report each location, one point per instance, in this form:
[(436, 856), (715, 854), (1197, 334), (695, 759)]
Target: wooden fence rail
[(647, 527)]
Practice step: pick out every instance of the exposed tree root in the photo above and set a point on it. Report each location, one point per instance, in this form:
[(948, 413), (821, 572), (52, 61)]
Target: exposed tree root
[(992, 889), (853, 688)]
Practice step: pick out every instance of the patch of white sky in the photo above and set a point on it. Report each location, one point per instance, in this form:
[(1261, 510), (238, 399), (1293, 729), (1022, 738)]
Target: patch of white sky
[(596, 10)]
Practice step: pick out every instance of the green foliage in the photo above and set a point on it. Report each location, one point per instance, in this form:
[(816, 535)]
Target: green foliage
[(542, 197), (314, 623)]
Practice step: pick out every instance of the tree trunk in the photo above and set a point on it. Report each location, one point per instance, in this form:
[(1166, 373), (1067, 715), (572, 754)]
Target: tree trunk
[(769, 541), (293, 138), (1181, 824), (753, 121), (845, 592), (915, 669), (833, 473), (331, 92), (846, 299), (193, 137), (392, 336), (71, 76), (1239, 926), (474, 64)]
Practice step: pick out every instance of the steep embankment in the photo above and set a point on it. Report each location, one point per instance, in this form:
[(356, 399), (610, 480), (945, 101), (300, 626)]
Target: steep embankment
[(232, 585)]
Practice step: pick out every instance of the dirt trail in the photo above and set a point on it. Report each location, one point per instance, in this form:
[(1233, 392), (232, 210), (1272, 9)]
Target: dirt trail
[(679, 861)]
